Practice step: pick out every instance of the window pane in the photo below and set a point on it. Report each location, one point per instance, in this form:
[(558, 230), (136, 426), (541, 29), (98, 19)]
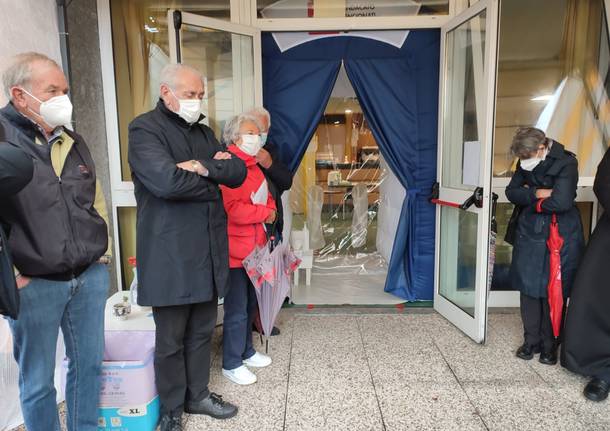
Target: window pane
[(226, 61), (553, 76), (349, 8), (458, 257), (463, 97), (141, 49)]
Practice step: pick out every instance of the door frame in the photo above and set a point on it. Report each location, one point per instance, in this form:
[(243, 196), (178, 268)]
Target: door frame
[(473, 326), (226, 26)]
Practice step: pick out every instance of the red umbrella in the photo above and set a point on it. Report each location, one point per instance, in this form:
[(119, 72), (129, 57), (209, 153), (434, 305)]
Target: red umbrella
[(554, 288)]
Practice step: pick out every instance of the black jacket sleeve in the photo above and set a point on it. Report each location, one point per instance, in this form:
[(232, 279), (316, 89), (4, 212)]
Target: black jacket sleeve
[(16, 169), (601, 186), (231, 172), (152, 163), (278, 172), (564, 189), (517, 191)]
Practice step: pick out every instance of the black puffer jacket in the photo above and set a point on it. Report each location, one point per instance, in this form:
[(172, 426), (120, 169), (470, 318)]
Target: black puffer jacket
[(530, 264)]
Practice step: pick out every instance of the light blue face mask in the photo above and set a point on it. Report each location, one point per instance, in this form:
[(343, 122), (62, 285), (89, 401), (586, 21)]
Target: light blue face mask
[(263, 138)]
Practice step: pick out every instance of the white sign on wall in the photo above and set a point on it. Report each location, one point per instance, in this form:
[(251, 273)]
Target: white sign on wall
[(351, 8), (471, 164)]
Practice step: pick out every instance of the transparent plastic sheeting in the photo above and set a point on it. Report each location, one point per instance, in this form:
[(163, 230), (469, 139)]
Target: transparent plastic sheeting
[(346, 215), (10, 416)]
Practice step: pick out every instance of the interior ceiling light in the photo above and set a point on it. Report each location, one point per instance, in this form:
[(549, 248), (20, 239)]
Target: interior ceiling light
[(348, 111), (544, 98), (337, 122)]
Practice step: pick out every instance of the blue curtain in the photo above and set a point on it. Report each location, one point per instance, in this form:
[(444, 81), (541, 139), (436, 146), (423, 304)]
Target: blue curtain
[(398, 91), (300, 96)]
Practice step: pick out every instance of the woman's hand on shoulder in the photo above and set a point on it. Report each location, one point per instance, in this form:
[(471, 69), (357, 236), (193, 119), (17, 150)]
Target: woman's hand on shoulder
[(271, 217)]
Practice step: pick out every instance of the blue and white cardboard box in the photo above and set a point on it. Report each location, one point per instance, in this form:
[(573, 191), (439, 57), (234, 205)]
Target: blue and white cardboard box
[(128, 396)]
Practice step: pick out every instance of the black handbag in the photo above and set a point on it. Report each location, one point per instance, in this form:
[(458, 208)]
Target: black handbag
[(511, 228)]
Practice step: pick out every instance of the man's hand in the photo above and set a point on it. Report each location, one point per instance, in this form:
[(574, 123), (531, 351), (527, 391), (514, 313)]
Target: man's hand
[(271, 217), (193, 166), (22, 281), (543, 193), (222, 155), (263, 158)]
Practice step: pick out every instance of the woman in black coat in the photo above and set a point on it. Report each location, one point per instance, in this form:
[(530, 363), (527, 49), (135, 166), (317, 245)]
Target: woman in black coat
[(586, 346), (544, 184)]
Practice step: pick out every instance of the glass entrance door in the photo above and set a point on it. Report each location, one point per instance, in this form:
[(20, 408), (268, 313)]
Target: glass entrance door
[(466, 117), (229, 57)]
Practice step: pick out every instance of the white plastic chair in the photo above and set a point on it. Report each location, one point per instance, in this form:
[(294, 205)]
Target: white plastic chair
[(360, 217), (315, 200)]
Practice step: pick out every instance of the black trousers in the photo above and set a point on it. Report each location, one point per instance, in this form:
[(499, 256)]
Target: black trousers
[(537, 326), (182, 353)]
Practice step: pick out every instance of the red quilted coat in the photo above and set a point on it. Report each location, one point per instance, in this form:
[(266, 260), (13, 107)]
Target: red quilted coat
[(245, 219)]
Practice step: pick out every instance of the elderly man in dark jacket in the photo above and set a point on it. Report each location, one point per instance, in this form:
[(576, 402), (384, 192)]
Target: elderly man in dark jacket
[(177, 165), (544, 184), (58, 238)]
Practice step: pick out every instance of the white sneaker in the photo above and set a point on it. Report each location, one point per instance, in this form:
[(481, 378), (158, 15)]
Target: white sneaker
[(240, 375), (258, 360)]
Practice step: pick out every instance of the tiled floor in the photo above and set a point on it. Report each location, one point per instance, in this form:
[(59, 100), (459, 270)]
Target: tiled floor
[(383, 369), (409, 370)]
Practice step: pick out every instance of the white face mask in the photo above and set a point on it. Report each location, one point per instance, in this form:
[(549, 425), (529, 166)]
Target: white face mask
[(263, 138), (57, 111), (532, 162), (190, 109), (250, 144)]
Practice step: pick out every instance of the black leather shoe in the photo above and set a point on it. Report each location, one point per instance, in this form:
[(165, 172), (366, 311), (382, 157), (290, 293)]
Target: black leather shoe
[(212, 405), (170, 423), (597, 389), (526, 351), (548, 357)]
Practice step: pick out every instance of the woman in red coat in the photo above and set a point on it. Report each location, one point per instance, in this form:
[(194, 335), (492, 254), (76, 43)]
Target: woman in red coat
[(248, 208)]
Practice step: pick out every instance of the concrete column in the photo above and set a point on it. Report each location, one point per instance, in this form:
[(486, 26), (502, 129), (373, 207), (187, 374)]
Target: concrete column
[(87, 93)]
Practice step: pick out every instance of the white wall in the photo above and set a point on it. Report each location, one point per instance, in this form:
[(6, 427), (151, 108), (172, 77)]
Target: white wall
[(28, 25)]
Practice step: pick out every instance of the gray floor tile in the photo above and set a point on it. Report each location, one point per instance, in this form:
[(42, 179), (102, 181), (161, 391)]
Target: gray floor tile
[(426, 406), (524, 406), (473, 362), (334, 406)]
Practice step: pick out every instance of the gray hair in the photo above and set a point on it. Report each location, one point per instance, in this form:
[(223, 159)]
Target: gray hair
[(230, 132), (19, 71), (260, 112), (526, 141), (171, 71)]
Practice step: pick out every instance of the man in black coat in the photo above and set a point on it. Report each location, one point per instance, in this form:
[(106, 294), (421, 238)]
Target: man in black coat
[(586, 347), (16, 169), (182, 248)]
